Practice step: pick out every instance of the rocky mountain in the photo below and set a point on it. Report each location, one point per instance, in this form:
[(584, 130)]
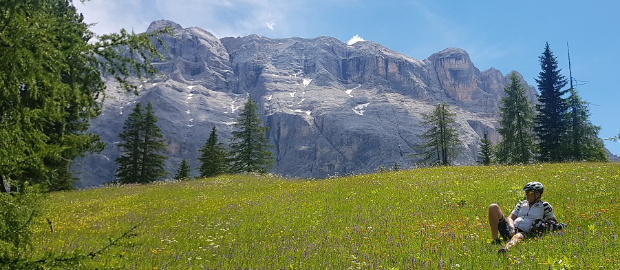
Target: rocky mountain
[(332, 108)]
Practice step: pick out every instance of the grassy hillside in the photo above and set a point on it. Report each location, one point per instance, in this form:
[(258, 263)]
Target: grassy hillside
[(434, 218)]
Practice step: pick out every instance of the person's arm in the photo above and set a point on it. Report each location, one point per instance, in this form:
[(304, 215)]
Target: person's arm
[(511, 221)]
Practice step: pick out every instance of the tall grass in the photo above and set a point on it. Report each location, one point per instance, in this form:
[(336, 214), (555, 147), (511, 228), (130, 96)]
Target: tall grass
[(432, 218)]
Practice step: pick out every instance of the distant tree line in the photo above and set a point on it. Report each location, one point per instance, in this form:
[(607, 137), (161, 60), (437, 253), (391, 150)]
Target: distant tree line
[(142, 144), (555, 129)]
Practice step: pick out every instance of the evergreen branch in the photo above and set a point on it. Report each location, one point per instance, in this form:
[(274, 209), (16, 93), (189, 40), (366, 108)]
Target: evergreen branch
[(75, 257)]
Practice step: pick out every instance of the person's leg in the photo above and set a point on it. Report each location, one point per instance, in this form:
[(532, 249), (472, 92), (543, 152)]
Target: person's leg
[(515, 238), (495, 215)]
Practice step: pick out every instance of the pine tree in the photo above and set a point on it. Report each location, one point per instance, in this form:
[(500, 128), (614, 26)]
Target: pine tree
[(248, 149), (442, 139), (213, 159), (485, 157), (183, 171), (141, 144), (551, 121), (516, 124)]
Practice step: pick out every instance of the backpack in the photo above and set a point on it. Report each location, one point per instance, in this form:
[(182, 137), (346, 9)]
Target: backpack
[(540, 226)]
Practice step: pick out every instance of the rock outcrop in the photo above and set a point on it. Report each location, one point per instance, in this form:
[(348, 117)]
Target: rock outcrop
[(332, 108)]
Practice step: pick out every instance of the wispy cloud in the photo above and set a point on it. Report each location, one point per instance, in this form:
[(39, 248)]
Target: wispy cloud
[(222, 18)]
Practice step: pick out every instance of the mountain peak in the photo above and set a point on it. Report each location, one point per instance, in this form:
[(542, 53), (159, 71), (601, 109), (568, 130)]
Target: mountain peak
[(160, 24), (456, 54)]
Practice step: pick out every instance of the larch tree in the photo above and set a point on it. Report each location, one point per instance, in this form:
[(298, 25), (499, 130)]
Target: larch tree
[(52, 70), (51, 81), (442, 143), (249, 146), (583, 141), (516, 123)]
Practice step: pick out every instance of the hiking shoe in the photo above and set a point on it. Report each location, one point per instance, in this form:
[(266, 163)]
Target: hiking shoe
[(502, 250)]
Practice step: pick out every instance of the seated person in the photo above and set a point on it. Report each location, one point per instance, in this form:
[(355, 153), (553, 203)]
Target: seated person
[(518, 225)]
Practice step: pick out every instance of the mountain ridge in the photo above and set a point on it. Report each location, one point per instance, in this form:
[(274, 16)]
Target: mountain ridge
[(332, 108)]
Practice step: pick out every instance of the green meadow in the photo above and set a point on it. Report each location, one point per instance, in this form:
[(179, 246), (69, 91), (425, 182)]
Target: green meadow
[(429, 218)]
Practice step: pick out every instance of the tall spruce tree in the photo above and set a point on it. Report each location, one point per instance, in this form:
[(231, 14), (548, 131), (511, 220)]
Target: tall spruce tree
[(183, 171), (442, 143), (551, 124), (213, 159), (485, 156), (141, 143), (130, 159), (153, 145), (51, 70), (517, 115), (249, 147)]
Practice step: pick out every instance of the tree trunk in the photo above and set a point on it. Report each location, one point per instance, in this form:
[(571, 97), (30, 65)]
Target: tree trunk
[(6, 185)]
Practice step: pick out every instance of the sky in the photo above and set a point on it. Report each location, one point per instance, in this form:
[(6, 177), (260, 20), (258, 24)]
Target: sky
[(506, 35)]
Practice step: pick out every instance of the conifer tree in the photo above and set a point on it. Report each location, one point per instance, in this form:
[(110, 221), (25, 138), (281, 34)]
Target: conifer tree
[(51, 80), (51, 70), (551, 120), (152, 146), (584, 143), (485, 157), (517, 145), (183, 171), (396, 167), (249, 147), (213, 159), (442, 143), (130, 160), (141, 143)]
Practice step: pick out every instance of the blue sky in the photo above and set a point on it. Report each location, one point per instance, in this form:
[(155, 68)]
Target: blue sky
[(506, 35)]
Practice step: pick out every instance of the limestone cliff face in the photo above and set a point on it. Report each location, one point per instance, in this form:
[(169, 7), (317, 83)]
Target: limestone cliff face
[(331, 108)]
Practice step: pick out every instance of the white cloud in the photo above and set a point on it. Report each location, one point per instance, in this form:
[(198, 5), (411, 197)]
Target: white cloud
[(354, 40), (220, 17)]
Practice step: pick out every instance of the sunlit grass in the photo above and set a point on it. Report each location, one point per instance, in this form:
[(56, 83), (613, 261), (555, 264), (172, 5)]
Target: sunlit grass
[(433, 218)]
